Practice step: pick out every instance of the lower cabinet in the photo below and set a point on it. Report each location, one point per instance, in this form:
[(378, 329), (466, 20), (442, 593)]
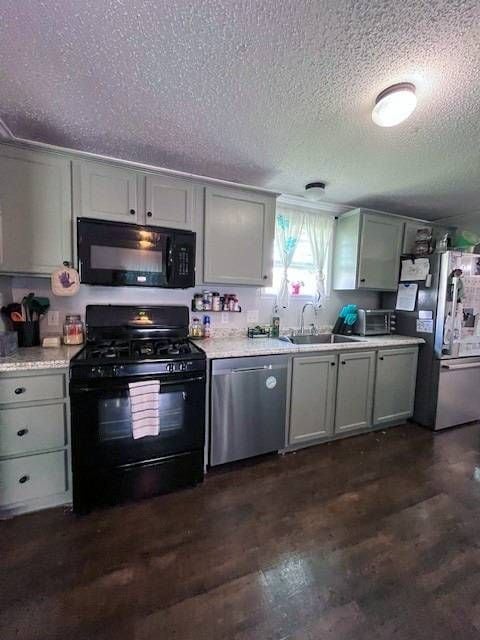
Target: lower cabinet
[(395, 385), (356, 378), (34, 441), (313, 397), (350, 391)]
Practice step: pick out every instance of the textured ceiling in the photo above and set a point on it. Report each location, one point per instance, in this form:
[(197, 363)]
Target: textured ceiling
[(273, 93)]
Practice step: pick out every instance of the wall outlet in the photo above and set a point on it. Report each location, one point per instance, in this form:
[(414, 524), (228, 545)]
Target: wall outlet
[(53, 318), (252, 316)]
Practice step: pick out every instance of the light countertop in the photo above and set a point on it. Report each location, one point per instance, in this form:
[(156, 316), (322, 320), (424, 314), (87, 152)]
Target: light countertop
[(27, 358), (234, 347)]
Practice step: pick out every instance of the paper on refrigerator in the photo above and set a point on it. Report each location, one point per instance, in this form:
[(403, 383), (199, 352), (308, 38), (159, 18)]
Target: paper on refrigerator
[(417, 269), (406, 297)]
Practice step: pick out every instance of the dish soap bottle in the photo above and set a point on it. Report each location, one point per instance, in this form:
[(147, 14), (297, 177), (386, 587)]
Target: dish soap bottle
[(275, 329)]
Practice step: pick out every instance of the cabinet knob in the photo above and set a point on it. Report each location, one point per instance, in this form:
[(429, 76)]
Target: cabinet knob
[(343, 362), (132, 212), (149, 214), (24, 479), (332, 364), (265, 277), (380, 357), (362, 279), (22, 432), (19, 390)]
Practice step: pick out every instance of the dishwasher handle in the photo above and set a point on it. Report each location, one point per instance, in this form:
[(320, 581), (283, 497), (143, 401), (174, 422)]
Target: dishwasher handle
[(456, 367)]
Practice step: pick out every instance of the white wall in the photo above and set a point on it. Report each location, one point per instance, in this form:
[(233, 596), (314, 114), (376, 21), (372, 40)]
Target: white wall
[(250, 298), (468, 221)]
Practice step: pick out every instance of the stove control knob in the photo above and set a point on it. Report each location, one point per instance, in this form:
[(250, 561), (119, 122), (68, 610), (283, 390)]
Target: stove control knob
[(170, 367), (117, 369), (96, 372), (183, 366)]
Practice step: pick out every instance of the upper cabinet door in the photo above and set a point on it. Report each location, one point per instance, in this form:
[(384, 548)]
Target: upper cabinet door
[(35, 211), (380, 251), (239, 231), (108, 192), (168, 202)]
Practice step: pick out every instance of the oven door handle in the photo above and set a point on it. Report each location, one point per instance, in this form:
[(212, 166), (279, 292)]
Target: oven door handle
[(124, 387)]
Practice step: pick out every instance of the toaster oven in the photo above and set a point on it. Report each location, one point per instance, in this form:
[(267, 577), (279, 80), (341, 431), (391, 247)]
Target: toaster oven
[(374, 322)]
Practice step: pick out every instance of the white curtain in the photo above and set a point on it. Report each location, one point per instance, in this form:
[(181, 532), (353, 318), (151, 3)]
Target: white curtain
[(320, 231), (288, 228)]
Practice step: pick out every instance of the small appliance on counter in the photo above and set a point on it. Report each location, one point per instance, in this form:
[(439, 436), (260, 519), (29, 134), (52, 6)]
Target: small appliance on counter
[(374, 322)]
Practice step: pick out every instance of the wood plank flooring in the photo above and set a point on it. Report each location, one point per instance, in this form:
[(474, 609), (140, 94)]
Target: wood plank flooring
[(371, 537)]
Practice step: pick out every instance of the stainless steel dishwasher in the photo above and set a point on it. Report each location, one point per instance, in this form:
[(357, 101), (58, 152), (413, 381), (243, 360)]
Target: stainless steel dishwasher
[(248, 406)]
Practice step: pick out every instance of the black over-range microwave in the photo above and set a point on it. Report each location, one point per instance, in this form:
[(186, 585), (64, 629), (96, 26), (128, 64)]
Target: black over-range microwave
[(120, 254)]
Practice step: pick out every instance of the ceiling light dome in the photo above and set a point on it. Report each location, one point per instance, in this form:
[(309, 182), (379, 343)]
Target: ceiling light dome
[(394, 105), (314, 190)]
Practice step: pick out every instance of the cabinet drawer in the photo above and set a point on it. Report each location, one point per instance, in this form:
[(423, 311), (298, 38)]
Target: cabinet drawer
[(33, 477), (30, 429), (28, 388)]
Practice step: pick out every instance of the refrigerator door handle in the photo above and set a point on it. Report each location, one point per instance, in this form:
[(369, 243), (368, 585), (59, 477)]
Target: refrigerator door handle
[(456, 367), (454, 313)]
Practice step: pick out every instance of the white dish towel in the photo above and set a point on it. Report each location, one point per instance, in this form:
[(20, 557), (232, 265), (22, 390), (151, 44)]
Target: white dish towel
[(145, 408)]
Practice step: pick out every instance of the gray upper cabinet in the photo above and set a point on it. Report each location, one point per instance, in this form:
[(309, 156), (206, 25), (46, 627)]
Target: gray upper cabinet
[(239, 233), (356, 376), (113, 192), (367, 252), (313, 398), (168, 202), (395, 385), (35, 211), (105, 191)]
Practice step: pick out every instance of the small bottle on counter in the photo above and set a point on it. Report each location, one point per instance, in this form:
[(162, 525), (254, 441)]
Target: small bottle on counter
[(73, 330), (206, 327), (275, 328)]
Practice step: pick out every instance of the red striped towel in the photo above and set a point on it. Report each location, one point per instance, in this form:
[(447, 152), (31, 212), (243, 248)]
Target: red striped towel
[(145, 408)]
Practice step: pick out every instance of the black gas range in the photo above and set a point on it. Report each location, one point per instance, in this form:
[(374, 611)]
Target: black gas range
[(125, 345)]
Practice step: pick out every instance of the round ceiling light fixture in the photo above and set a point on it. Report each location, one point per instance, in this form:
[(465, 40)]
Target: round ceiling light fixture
[(314, 190), (394, 105)]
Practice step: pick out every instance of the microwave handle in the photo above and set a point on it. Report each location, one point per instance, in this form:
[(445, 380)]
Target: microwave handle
[(169, 262)]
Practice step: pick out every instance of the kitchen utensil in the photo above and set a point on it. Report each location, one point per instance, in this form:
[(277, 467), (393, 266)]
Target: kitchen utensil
[(15, 316)]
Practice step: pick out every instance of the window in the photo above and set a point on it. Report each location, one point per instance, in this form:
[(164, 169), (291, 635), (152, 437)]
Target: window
[(302, 254), (302, 269)]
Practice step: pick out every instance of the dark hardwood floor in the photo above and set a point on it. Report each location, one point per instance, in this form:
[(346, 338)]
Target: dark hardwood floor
[(372, 537)]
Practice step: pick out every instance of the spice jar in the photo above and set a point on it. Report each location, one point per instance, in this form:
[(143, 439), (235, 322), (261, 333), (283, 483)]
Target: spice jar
[(207, 300), (216, 301), (198, 302), (73, 330)]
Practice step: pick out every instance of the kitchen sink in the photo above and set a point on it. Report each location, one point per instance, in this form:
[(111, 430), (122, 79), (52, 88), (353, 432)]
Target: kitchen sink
[(321, 338)]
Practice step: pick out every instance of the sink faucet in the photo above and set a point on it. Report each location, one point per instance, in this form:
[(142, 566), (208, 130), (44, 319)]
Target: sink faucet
[(302, 318)]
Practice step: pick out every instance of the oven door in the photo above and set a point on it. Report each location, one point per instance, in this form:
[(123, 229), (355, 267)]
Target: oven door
[(113, 253), (102, 426)]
